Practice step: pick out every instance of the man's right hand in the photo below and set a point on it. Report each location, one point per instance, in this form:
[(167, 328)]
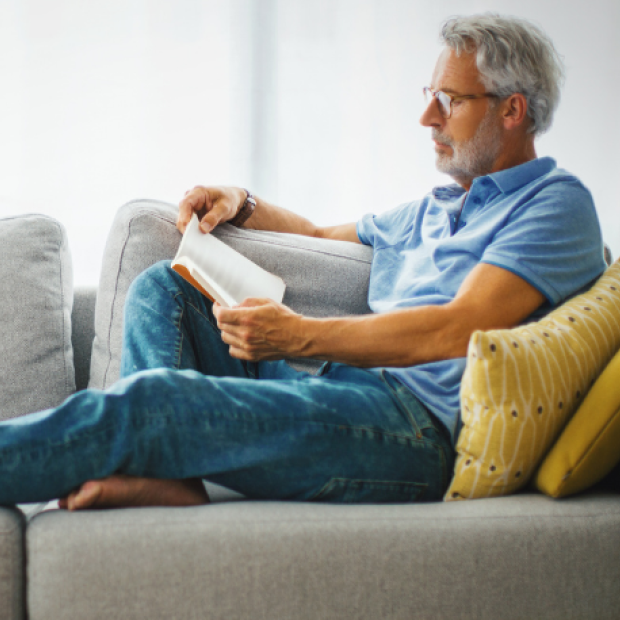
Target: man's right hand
[(213, 205)]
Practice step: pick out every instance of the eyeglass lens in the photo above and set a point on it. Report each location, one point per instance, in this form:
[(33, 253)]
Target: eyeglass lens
[(442, 99)]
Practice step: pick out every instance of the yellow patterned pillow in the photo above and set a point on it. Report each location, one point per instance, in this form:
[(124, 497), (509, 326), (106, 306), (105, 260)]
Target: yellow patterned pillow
[(589, 447), (521, 386)]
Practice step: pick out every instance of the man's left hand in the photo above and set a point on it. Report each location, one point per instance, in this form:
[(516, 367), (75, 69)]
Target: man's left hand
[(260, 329)]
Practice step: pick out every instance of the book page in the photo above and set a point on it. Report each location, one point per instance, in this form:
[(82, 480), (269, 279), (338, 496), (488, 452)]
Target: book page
[(222, 273)]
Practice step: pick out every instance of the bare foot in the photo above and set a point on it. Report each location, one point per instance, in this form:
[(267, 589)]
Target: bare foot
[(122, 491)]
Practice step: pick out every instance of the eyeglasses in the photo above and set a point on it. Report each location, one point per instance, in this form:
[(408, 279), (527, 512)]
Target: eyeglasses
[(446, 101)]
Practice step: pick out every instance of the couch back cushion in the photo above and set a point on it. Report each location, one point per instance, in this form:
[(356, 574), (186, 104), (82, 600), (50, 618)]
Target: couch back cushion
[(36, 297), (323, 278)]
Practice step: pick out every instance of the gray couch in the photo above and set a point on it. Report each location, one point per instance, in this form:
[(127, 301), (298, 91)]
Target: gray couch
[(520, 557)]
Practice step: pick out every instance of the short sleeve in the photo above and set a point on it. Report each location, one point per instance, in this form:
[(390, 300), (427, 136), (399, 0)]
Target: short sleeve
[(387, 228), (553, 241)]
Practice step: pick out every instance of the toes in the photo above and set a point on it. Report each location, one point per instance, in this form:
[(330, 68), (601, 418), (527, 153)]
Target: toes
[(63, 502), (87, 496), (123, 491)]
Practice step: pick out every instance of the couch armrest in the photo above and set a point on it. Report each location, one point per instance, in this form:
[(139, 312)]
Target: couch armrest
[(323, 278)]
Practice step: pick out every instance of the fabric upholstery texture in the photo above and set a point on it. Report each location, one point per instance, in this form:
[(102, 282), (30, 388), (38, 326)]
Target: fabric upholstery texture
[(83, 332), (521, 386), (589, 446), (522, 556), (508, 558), (12, 578), (36, 297), (334, 280)]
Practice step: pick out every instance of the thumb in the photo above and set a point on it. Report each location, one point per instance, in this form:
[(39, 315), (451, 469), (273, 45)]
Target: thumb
[(252, 302), (214, 217)]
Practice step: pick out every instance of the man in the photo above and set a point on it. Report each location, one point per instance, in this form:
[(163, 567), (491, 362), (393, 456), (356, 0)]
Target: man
[(205, 393)]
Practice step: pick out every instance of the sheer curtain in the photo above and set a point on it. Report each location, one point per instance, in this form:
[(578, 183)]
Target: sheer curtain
[(105, 102), (313, 104)]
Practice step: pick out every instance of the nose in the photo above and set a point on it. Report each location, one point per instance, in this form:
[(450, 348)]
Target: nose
[(431, 117)]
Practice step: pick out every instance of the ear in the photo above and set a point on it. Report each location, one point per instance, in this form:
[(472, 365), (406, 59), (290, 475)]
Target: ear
[(514, 111)]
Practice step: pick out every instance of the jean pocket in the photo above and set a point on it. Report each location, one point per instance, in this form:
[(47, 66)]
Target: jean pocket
[(351, 491)]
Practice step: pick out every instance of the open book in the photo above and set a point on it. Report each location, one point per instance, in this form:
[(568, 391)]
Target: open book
[(221, 273)]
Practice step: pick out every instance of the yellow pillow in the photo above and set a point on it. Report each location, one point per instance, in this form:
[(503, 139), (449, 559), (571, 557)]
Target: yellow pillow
[(589, 447), (521, 386)]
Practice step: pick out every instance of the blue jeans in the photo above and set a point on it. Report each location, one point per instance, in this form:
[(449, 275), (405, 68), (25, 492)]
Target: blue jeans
[(185, 409)]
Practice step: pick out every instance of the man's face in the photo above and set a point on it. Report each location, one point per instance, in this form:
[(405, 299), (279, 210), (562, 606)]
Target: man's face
[(469, 142)]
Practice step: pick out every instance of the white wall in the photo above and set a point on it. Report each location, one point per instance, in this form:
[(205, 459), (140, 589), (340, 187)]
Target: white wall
[(313, 104)]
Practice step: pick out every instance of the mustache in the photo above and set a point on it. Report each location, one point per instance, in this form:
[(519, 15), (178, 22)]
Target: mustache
[(439, 137)]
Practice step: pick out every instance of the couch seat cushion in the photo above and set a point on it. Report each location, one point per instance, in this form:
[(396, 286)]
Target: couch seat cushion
[(516, 557)]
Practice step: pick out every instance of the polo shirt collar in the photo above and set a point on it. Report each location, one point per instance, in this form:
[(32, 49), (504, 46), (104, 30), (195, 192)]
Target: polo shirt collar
[(447, 192), (506, 180), (514, 178)]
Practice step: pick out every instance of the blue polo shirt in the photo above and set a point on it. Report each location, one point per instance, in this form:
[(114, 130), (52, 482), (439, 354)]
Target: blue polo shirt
[(535, 220)]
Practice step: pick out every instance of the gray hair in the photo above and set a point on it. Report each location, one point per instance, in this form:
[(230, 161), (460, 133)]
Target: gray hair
[(512, 56)]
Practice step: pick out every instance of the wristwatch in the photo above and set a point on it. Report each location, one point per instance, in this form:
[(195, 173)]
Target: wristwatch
[(244, 214)]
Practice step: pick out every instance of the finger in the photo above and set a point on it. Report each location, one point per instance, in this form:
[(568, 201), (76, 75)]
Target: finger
[(241, 354), (187, 207), (254, 355), (253, 302), (217, 310), (241, 335), (216, 215), (226, 316), (194, 201), (230, 338), (237, 346)]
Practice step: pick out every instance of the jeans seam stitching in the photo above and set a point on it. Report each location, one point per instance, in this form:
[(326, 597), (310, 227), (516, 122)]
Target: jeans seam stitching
[(333, 427), (179, 345), (204, 316), (340, 427)]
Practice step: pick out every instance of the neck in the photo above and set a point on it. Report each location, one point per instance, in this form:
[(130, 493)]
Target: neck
[(512, 155), (515, 154)]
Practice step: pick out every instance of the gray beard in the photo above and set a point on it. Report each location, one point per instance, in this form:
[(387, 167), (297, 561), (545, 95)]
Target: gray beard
[(474, 158)]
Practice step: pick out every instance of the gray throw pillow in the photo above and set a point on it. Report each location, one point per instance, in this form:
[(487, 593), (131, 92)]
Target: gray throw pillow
[(36, 297), (323, 278)]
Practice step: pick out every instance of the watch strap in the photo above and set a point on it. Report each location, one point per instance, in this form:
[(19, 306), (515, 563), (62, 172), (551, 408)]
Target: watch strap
[(246, 211)]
